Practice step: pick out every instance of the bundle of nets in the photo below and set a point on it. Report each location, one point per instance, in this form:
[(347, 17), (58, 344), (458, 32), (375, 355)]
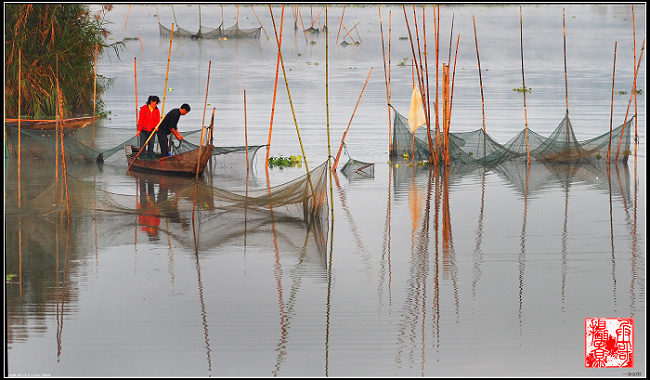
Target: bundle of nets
[(478, 148), (302, 199)]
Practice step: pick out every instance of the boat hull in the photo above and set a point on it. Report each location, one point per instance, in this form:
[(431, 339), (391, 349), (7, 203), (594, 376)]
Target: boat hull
[(75, 123), (180, 164)]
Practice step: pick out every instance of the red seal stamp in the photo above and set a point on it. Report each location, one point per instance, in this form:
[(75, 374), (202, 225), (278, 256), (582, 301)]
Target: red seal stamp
[(609, 342)]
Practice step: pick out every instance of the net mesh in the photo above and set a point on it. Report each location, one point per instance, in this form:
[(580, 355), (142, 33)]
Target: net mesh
[(302, 199), (42, 145), (478, 148), (234, 32)]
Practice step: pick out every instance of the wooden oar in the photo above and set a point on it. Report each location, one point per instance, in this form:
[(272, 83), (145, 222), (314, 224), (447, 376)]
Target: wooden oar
[(145, 144)]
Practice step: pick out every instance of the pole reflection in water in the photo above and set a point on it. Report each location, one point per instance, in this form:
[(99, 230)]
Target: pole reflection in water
[(532, 182)]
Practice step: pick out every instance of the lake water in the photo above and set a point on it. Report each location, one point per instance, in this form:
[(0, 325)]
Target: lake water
[(486, 273)]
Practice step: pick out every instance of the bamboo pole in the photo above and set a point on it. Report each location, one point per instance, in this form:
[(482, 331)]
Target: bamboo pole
[(341, 23), (246, 131), (135, 72), (258, 20), (275, 92), (481, 82), (19, 111), (451, 97), (95, 92), (437, 34), (636, 120), (421, 84), (348, 33), (636, 72), (415, 60), (609, 144), (127, 16), (338, 155), (566, 85), (60, 108), (521, 31), (426, 68), (290, 101), (383, 54), (327, 111), (207, 87), (304, 31), (169, 57)]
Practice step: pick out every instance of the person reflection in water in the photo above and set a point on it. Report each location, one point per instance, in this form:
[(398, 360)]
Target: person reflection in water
[(149, 218)]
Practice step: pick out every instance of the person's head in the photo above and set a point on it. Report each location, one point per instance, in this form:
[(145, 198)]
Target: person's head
[(153, 100), (185, 108)]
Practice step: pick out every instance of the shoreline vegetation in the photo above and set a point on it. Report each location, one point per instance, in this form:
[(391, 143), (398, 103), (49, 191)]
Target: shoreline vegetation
[(55, 45)]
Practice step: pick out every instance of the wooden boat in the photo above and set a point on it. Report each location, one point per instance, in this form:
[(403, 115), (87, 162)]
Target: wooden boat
[(73, 123), (179, 164)]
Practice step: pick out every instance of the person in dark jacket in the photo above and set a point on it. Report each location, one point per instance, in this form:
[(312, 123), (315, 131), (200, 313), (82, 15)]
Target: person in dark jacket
[(168, 126)]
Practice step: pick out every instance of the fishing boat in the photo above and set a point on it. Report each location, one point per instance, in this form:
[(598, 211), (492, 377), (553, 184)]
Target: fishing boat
[(186, 163), (72, 123)]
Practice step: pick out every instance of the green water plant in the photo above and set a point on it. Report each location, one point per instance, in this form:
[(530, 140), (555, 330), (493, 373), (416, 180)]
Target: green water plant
[(522, 89), (284, 162)]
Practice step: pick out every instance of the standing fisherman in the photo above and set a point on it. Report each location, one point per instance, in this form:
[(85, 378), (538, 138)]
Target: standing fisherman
[(148, 119)]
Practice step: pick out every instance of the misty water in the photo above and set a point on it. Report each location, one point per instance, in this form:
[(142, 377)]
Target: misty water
[(461, 273)]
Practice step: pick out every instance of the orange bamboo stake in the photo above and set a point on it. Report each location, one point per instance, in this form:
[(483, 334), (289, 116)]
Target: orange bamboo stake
[(566, 85), (348, 33), (521, 30), (426, 68), (127, 16), (451, 96), (630, 101), (436, 21), (416, 67), (609, 145), (341, 23), (317, 17), (207, 87), (95, 92), (246, 132), (421, 74), (60, 108), (19, 133), (338, 155), (481, 82), (135, 72), (636, 121), (258, 20), (275, 91), (304, 31)]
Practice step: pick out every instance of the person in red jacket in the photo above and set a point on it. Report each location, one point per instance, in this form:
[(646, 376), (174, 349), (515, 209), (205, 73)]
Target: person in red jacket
[(148, 120)]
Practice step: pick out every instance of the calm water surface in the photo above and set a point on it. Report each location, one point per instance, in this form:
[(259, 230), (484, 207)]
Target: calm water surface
[(481, 273)]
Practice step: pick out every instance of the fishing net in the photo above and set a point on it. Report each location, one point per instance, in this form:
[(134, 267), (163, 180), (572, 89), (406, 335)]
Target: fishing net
[(78, 145), (302, 199), (478, 148), (354, 169), (233, 32)]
